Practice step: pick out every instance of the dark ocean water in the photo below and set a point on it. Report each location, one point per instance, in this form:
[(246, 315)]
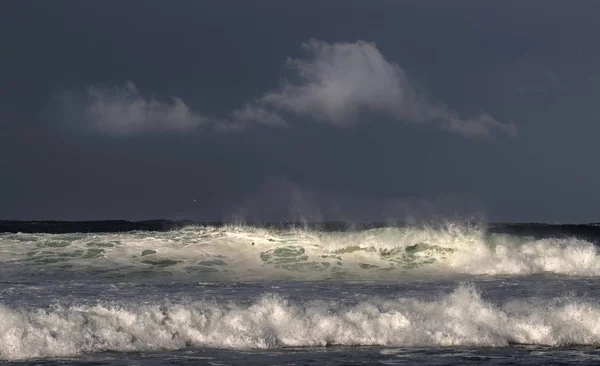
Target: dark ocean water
[(164, 292), (589, 231)]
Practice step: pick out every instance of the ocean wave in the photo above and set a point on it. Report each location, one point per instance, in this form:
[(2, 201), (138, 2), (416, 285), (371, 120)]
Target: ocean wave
[(250, 252), (460, 318)]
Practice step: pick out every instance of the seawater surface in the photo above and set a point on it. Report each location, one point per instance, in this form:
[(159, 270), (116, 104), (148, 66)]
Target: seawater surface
[(243, 294)]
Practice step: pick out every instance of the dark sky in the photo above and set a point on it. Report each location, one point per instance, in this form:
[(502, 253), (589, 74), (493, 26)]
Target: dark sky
[(353, 110)]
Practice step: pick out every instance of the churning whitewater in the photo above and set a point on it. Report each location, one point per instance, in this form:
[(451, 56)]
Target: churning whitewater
[(209, 289), (460, 318), (234, 252)]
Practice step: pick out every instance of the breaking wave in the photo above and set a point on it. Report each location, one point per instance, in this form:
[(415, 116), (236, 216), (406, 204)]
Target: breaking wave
[(250, 252), (460, 318)]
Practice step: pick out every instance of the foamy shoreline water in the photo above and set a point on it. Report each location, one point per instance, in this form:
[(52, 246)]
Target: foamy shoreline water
[(459, 319), (406, 291)]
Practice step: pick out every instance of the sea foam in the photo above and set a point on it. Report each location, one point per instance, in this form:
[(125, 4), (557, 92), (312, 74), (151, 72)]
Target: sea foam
[(460, 318), (235, 252)]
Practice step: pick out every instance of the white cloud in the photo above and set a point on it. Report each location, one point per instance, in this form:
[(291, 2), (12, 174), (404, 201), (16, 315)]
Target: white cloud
[(333, 85), (122, 110), (339, 80), (480, 126)]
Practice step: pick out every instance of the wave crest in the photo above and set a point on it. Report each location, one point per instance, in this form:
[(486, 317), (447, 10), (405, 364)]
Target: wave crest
[(241, 251), (461, 318)]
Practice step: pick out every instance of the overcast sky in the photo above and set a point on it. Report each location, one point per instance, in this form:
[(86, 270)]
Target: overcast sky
[(318, 110)]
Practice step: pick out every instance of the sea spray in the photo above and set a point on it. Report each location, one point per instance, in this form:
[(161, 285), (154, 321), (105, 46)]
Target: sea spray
[(236, 252), (459, 318)]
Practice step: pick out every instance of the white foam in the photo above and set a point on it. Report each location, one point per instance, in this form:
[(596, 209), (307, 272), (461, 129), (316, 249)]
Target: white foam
[(238, 251), (461, 318)]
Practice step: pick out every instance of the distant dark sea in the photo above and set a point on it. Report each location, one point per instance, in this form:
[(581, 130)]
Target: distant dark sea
[(589, 231)]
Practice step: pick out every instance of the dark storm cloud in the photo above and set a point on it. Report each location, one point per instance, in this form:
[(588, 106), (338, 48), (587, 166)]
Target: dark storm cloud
[(224, 109), (333, 85)]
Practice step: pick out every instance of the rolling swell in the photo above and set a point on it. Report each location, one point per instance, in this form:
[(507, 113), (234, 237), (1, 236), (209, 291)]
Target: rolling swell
[(460, 318)]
